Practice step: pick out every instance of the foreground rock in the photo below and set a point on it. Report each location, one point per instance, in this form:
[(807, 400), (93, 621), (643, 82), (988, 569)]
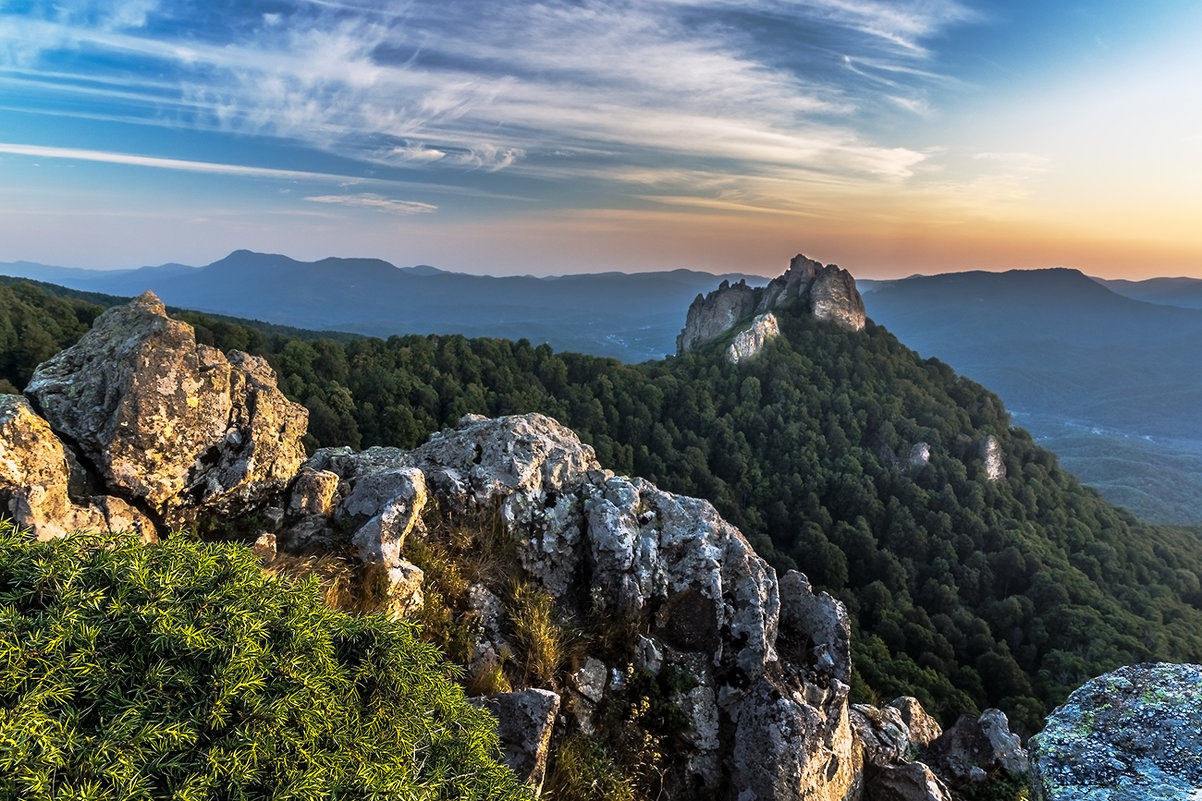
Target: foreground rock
[(829, 293), (171, 426), (757, 722), (38, 477), (525, 720), (1130, 734)]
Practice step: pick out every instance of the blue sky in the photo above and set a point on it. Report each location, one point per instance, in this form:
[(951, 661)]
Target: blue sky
[(553, 137)]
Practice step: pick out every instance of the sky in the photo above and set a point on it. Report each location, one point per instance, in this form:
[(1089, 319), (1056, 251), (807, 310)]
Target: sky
[(518, 137)]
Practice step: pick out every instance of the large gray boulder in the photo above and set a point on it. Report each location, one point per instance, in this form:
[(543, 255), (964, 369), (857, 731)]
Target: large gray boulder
[(525, 721), (975, 747), (1130, 734), (170, 425), (39, 476)]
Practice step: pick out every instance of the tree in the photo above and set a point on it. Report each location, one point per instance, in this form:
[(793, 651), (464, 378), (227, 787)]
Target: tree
[(181, 671)]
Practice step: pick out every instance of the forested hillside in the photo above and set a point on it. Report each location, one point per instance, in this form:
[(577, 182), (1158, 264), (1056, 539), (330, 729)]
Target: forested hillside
[(966, 592)]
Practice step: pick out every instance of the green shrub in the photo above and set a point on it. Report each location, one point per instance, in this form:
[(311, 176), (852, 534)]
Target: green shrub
[(181, 671)]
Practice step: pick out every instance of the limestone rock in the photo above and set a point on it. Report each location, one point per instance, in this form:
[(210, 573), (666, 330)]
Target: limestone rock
[(169, 423), (749, 342), (912, 781), (590, 679), (34, 475), (991, 453), (525, 720), (1132, 733), (818, 620), (883, 734), (924, 729), (834, 297), (829, 293), (716, 313), (39, 476), (785, 748), (974, 746), (400, 505), (920, 457), (685, 583), (314, 492)]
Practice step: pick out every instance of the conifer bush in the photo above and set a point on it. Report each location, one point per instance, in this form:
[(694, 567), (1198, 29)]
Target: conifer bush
[(181, 671)]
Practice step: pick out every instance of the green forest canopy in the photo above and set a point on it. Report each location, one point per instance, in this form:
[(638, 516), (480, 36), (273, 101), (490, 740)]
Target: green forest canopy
[(965, 592)]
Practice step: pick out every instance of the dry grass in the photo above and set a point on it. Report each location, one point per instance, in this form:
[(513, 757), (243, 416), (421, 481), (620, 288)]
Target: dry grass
[(346, 584)]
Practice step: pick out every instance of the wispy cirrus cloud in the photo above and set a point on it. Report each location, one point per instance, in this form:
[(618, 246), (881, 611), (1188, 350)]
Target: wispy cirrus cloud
[(374, 201), (542, 90), (134, 160)]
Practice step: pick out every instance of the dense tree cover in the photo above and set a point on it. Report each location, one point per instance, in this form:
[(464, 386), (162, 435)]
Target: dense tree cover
[(181, 671), (965, 592), (35, 325)]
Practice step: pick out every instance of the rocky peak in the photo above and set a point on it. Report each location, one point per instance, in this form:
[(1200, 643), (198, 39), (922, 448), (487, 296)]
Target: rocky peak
[(166, 423), (828, 292)]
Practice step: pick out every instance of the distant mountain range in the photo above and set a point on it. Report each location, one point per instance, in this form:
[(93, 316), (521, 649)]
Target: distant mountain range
[(1106, 379), (632, 317), (1111, 383)]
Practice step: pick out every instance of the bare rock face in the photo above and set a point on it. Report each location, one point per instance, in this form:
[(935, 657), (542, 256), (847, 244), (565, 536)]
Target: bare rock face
[(975, 747), (716, 313), (751, 341), (762, 691), (525, 721), (834, 297), (168, 424), (829, 293), (38, 477), (1132, 733), (991, 453), (911, 781), (924, 729)]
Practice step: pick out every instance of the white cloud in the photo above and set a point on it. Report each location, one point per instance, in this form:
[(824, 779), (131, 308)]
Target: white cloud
[(376, 202), (105, 157), (623, 84)]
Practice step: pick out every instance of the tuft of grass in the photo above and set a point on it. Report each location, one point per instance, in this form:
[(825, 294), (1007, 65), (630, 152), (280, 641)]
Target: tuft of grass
[(345, 584), (543, 643), (584, 771)]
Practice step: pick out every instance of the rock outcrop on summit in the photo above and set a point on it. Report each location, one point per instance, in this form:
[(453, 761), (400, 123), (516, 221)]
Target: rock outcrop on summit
[(828, 292), (167, 424)]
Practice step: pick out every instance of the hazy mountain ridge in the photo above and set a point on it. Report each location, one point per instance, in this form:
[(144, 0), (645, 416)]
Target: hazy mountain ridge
[(1099, 377), (633, 317)]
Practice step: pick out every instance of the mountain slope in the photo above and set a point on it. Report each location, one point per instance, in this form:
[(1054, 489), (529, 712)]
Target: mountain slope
[(633, 317), (1183, 292), (967, 588), (1110, 383)]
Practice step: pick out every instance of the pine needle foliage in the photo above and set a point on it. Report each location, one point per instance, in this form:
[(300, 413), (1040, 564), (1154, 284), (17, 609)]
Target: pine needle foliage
[(181, 671)]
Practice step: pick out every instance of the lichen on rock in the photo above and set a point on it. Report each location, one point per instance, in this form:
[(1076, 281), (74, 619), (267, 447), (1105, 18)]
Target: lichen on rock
[(1129, 734)]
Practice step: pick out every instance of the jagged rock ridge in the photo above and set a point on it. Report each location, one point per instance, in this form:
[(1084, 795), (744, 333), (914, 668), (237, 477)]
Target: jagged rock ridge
[(763, 706), (828, 292)]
